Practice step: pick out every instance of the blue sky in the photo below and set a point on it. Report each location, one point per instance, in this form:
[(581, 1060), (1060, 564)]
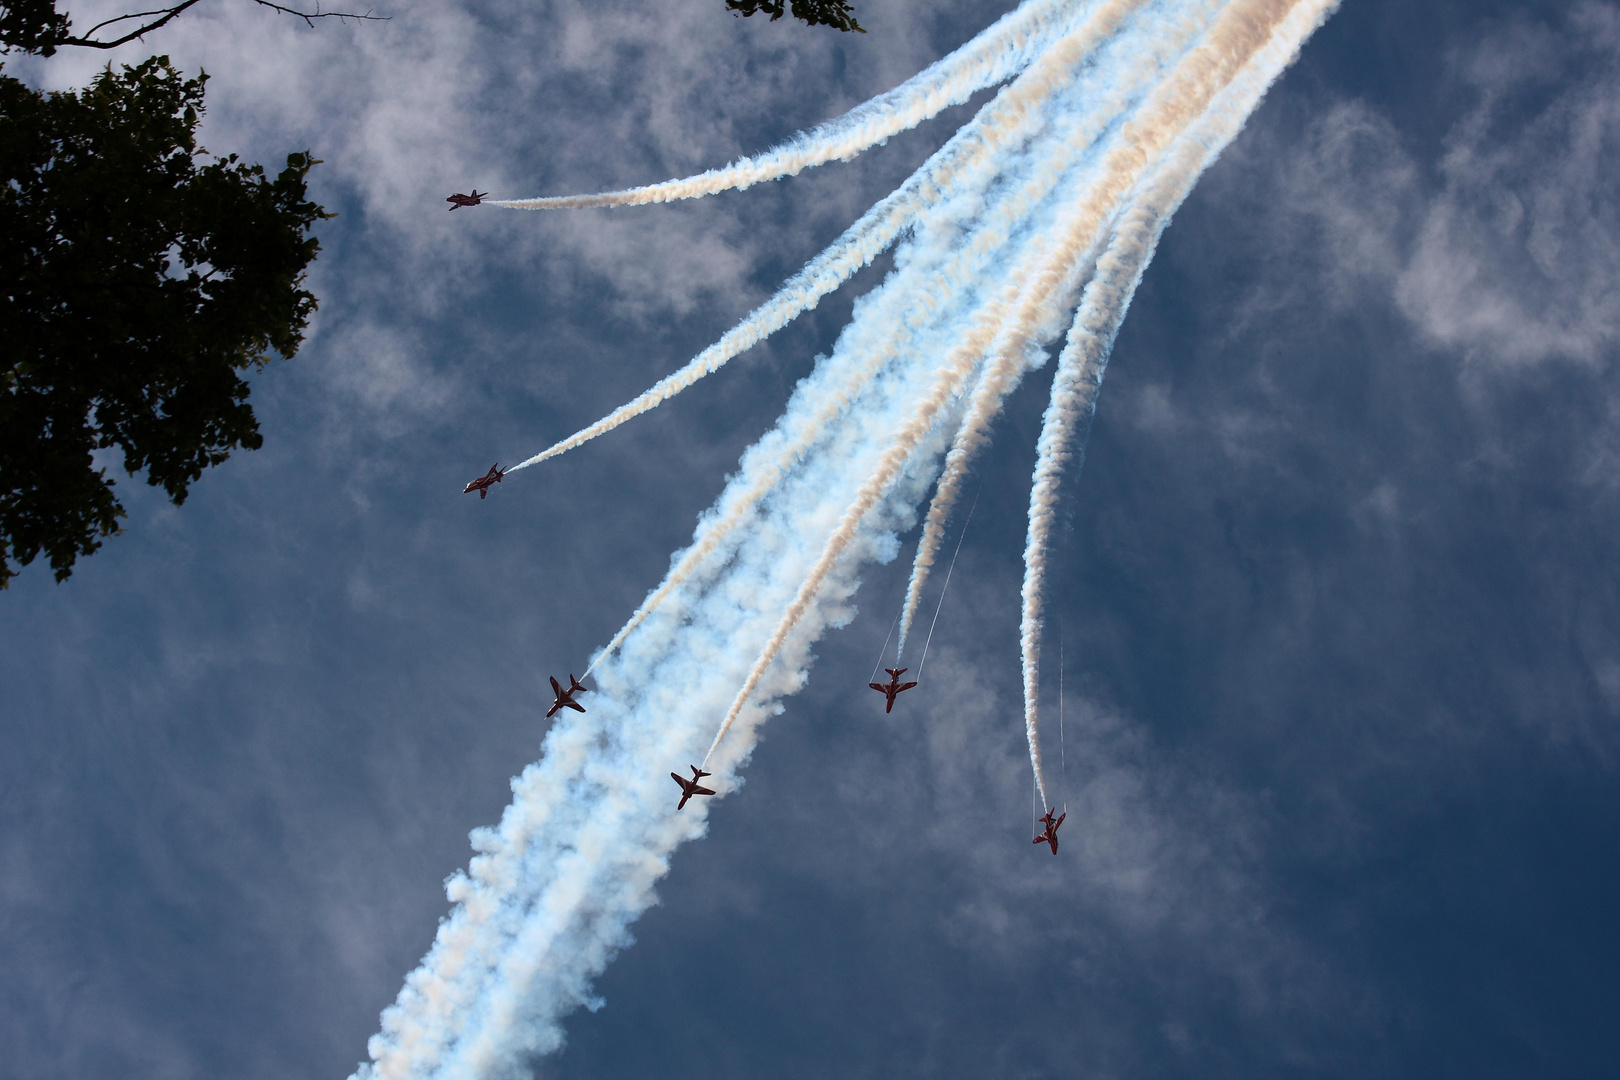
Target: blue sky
[(1338, 604)]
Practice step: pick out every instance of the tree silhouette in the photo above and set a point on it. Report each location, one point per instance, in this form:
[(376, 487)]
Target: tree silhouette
[(142, 279)]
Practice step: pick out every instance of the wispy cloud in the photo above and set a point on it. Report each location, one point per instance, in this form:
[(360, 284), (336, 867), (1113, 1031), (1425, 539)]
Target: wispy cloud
[(1504, 253)]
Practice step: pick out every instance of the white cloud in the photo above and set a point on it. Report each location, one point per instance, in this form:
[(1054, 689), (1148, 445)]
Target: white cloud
[(1507, 251)]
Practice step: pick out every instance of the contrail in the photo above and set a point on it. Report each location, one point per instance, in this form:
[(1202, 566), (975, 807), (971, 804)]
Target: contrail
[(945, 588), (1000, 52), (1006, 121), (1052, 196), (1090, 341)]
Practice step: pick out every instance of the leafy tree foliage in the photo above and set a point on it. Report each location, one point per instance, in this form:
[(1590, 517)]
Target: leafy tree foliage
[(835, 13), (140, 281), (32, 25)]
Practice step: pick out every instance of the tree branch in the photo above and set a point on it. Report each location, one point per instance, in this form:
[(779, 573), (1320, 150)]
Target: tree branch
[(88, 41), (85, 41), (310, 17)]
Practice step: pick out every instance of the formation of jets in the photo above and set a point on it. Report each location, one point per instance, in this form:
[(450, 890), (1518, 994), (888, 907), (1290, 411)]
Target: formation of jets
[(458, 199), (565, 698), (481, 485), (893, 687)]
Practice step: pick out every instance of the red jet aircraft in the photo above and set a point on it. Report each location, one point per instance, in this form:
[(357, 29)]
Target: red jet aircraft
[(690, 787), (458, 199), (481, 485), (1050, 835), (565, 698), (893, 687)]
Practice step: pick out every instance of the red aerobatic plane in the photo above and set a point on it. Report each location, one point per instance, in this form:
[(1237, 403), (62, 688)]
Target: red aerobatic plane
[(1050, 835), (892, 687), (690, 787), (481, 485), (458, 199), (565, 698)]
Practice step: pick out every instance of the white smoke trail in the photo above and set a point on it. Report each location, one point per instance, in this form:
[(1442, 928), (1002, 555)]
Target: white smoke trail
[(995, 56), (1169, 110), (1002, 374), (590, 826), (1238, 33), (990, 236), (1084, 359), (551, 893), (1005, 122), (459, 933)]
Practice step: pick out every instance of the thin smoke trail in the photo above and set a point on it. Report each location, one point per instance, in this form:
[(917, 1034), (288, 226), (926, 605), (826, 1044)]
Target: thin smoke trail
[(550, 895), (999, 378), (1002, 122), (884, 649), (995, 56), (1085, 356), (1063, 750), (945, 587)]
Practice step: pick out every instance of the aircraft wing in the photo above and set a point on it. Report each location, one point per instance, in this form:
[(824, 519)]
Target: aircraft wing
[(906, 686), (701, 790), (879, 687), (575, 706)]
